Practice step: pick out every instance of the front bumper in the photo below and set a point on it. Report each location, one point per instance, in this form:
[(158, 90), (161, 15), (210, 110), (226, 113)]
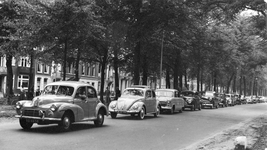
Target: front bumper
[(207, 105), (38, 118), (166, 107), (124, 111)]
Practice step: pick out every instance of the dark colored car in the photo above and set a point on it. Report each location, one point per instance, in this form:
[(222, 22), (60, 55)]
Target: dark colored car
[(210, 99), (238, 99), (222, 100), (191, 99)]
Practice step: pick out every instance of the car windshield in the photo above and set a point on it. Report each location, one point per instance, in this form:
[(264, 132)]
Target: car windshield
[(209, 94), (58, 90), (133, 92), (165, 93), (191, 94)]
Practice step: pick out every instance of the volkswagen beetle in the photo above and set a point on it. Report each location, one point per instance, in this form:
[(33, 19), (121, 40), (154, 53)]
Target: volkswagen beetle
[(137, 99), (62, 103)]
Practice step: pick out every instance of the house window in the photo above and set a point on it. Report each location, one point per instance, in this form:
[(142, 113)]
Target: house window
[(93, 71), (45, 81), (83, 69), (13, 61), (23, 81), (46, 69), (23, 62), (88, 69), (39, 68)]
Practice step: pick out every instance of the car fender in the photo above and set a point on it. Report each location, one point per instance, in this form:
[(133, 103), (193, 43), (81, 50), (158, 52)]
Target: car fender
[(76, 110), (141, 105), (101, 106)]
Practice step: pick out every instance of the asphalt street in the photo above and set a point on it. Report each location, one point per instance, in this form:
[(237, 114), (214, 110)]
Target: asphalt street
[(166, 132)]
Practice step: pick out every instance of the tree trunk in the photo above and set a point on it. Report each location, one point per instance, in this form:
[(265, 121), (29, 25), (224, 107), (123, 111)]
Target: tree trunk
[(31, 78), (9, 81), (103, 68), (65, 60), (77, 65), (144, 80), (198, 76), (185, 78), (115, 65), (229, 82), (215, 80), (168, 82), (245, 85), (137, 52), (234, 84)]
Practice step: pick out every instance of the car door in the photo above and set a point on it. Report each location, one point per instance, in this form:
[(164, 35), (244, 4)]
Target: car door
[(82, 100), (148, 101), (92, 101)]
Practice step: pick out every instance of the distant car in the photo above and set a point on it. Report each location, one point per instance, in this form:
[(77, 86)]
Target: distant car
[(191, 99), (237, 99), (169, 100), (222, 100), (243, 99), (62, 103), (138, 99), (230, 99), (254, 99), (249, 99), (210, 99)]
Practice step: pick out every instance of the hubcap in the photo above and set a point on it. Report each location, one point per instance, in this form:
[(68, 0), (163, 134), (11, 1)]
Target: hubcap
[(142, 114), (66, 122), (100, 118)]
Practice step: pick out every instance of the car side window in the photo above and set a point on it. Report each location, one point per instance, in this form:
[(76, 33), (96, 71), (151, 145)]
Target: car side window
[(148, 94), (91, 93), (153, 94), (80, 92)]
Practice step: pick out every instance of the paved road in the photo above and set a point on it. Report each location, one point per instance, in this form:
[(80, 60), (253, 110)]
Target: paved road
[(167, 132)]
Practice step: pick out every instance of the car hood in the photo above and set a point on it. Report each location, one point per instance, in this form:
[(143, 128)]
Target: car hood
[(125, 103), (164, 99), (47, 99)]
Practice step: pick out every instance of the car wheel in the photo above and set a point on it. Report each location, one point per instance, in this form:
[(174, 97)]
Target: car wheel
[(113, 115), (157, 113), (199, 107), (100, 119), (181, 110), (24, 124), (193, 107), (171, 111), (217, 106), (66, 122), (141, 114)]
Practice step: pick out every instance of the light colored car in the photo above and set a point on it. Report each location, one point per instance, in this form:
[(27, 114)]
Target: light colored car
[(230, 99), (169, 100), (137, 99), (62, 103)]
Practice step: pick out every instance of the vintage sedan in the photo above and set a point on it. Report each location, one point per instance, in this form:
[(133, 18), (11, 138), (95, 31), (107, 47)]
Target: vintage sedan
[(137, 99), (230, 99), (191, 99), (62, 103), (210, 99), (169, 100)]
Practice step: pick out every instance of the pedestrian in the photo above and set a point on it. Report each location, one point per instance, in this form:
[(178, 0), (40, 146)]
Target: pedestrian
[(22, 95), (107, 94), (117, 93), (37, 93)]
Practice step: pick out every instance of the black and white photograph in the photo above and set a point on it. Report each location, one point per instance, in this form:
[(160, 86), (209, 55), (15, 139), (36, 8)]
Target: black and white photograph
[(133, 74)]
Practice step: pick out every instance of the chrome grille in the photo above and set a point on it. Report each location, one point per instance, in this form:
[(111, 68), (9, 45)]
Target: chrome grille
[(33, 113)]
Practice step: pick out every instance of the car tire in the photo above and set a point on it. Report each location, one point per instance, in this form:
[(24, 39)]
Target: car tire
[(181, 110), (172, 111), (157, 112), (24, 124), (65, 123), (113, 115), (199, 107), (141, 114), (100, 119), (217, 106)]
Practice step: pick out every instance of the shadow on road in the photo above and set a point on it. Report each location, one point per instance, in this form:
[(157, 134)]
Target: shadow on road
[(54, 129)]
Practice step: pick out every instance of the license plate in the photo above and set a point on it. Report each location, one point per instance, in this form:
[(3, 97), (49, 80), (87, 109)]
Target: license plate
[(32, 120)]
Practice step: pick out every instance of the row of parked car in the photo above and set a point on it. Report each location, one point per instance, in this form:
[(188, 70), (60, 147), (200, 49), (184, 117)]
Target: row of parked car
[(66, 102)]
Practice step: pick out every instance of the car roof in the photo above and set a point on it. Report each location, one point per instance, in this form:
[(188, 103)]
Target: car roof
[(189, 91), (70, 83), (140, 86), (166, 90)]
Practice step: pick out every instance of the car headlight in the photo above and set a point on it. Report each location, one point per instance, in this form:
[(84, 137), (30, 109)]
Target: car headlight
[(53, 107), (168, 102), (18, 105), (113, 105), (189, 100), (135, 106)]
